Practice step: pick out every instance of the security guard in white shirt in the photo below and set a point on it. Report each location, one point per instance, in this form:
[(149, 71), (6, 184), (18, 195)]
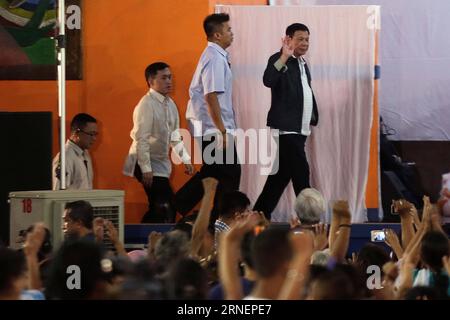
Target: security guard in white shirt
[(79, 173)]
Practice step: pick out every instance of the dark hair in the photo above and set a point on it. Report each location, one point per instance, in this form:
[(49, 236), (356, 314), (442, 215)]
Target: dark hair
[(290, 31), (12, 266), (186, 224), (80, 121), (357, 278), (185, 227), (371, 254), (141, 283), (433, 247), (232, 202), (171, 246), (80, 211), (335, 285), (270, 250), (187, 280), (213, 23), (84, 254), (152, 69)]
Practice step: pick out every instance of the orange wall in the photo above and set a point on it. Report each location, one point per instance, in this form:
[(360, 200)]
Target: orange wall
[(119, 40)]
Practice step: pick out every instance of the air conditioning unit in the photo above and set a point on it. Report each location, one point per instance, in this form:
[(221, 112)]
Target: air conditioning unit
[(28, 207)]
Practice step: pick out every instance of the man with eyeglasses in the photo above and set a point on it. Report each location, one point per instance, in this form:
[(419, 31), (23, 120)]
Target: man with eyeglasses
[(79, 173)]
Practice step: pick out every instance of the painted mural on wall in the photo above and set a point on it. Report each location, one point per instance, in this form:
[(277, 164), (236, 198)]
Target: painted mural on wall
[(27, 45)]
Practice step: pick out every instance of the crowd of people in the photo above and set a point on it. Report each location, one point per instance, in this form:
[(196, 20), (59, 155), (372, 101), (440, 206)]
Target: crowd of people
[(241, 256), (226, 250)]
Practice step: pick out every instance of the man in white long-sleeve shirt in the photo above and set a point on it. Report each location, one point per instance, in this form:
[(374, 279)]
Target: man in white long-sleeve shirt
[(79, 172), (155, 130)]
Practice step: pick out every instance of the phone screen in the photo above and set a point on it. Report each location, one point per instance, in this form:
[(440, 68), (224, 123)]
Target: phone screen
[(393, 211), (377, 236)]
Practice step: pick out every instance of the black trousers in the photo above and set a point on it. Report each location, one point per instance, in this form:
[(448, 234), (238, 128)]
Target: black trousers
[(226, 171), (160, 200), (292, 165)]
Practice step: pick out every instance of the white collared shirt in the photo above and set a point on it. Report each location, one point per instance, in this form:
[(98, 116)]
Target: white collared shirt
[(79, 173), (307, 99), (213, 74), (155, 129)]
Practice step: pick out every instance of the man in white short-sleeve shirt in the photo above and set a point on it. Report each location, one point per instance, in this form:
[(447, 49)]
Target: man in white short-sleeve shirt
[(211, 116)]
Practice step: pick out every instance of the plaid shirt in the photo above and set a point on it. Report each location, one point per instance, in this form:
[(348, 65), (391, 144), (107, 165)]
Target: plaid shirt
[(219, 227)]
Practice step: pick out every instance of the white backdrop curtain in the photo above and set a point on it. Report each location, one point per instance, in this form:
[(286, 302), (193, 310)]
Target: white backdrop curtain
[(415, 59), (341, 59)]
